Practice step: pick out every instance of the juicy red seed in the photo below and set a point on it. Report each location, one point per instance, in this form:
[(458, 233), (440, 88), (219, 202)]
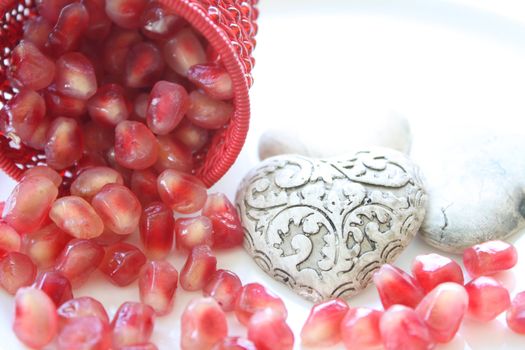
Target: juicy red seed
[(516, 314), (16, 271), (191, 136), (36, 30), (323, 325), (39, 138), (198, 269), (144, 65), (487, 298), (234, 343), (213, 80), (9, 240), (56, 286), (30, 68), (45, 245), (64, 145), (82, 307), (173, 155), (156, 230), (254, 298), (157, 286), (24, 113), (360, 329), (140, 106), (72, 23), (224, 286), (203, 324), (97, 139), (50, 9), (269, 331), (78, 260), (92, 180), (158, 23), (143, 346), (86, 333), (207, 112), (36, 321), (99, 23), (401, 328), (135, 145), (65, 106), (76, 217), (183, 51), (116, 49), (76, 76), (397, 287), (144, 185), (191, 232), (489, 257), (227, 227), (182, 192), (109, 106), (433, 269), (132, 324), (45, 171), (168, 102), (122, 263), (126, 13)]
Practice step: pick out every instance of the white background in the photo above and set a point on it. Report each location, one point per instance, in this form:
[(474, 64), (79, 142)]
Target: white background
[(445, 65)]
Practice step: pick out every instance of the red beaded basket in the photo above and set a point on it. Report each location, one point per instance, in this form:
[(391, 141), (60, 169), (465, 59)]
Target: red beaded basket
[(228, 25)]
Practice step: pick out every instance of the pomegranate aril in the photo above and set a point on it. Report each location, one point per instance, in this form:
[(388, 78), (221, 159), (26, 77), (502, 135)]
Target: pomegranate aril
[(143, 346), (208, 113), (144, 65), (36, 321), (125, 13), (433, 269), (36, 31), (198, 269), (122, 263), (191, 136), (516, 314), (132, 324), (253, 298), (183, 51), (78, 260), (213, 80), (268, 330), (30, 68), (16, 271), (191, 232), (56, 286), (64, 144), (156, 230), (489, 257), (80, 308), (116, 49), (224, 286), (72, 23), (173, 155), (9, 240), (397, 287), (140, 107), (135, 145), (360, 329), (144, 185), (39, 138), (203, 324), (487, 298), (65, 106), (75, 76), (99, 25), (109, 106), (50, 9), (401, 328), (97, 139), (157, 286), (158, 22), (168, 102), (234, 343), (23, 114), (227, 227), (92, 180), (45, 245), (182, 192), (85, 333), (76, 217), (110, 157), (44, 171), (323, 325)]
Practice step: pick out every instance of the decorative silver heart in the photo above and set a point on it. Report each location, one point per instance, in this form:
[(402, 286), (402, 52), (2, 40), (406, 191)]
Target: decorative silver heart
[(322, 227)]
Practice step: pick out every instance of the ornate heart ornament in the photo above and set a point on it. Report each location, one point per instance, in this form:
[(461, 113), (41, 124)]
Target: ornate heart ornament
[(323, 227)]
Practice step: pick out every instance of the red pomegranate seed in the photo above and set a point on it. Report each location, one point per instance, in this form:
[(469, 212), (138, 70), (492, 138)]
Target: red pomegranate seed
[(254, 298), (44, 171), (27, 207), (126, 13), (76, 217), (135, 145), (50, 9), (80, 308), (168, 102), (30, 68), (144, 65), (116, 49), (360, 329), (85, 333), (156, 230), (132, 324), (65, 106), (78, 260), (97, 139), (489, 257), (203, 324), (109, 106), (111, 161), (191, 232), (92, 180), (227, 228), (213, 80), (191, 136), (144, 185), (199, 268), (76, 76), (39, 138), (323, 325), (23, 113), (207, 112), (72, 23), (122, 263), (401, 328), (157, 286), (64, 144), (158, 23), (9, 240), (234, 343), (269, 331), (433, 269), (56, 286), (140, 106), (143, 346), (45, 245), (487, 298), (173, 155), (36, 321), (397, 287), (99, 23), (184, 193), (16, 271), (36, 31), (224, 286), (516, 314), (183, 51)]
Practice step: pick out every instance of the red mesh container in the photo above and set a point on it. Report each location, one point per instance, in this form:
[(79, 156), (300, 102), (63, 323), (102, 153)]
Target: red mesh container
[(228, 25)]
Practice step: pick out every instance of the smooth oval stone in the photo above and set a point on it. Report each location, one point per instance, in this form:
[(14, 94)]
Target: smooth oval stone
[(323, 227)]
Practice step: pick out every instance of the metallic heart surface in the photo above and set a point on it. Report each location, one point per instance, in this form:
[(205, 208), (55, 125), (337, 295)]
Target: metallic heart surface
[(323, 227)]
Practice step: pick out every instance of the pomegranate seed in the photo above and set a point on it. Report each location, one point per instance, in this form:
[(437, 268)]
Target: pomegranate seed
[(76, 76), (213, 80), (99, 23), (125, 13), (183, 51), (207, 112), (135, 145), (227, 227), (144, 185), (144, 65), (39, 138), (184, 193), (433, 269), (65, 106), (401, 328), (30, 68), (203, 324), (173, 155), (234, 343), (516, 314), (158, 22), (122, 263), (44, 171), (254, 298), (157, 286), (109, 106), (97, 139), (78, 260), (36, 31), (323, 326), (224, 286), (191, 136), (168, 102), (56, 286), (140, 106), (268, 331), (27, 207), (111, 161), (116, 49), (198, 269), (64, 144), (23, 113), (80, 308), (487, 298), (156, 230), (72, 23), (92, 180), (16, 271), (85, 333), (45, 245), (191, 232), (360, 329), (143, 346), (489, 257), (36, 321), (50, 9), (9, 240), (76, 217), (397, 287), (108, 238), (132, 324)]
